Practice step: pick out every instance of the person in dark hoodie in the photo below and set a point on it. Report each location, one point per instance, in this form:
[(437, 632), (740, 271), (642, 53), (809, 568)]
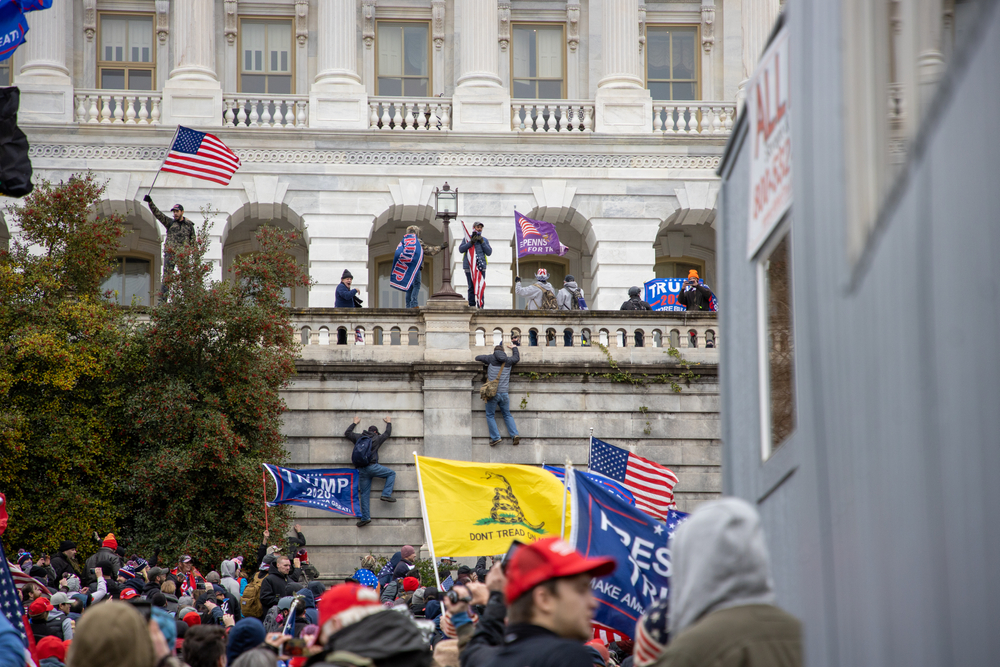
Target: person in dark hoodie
[(346, 296), (353, 622), (245, 635), (272, 588), (65, 562), (500, 366), (368, 472)]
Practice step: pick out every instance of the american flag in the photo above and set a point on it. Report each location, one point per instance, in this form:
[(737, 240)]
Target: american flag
[(527, 225), (606, 634), (477, 267), (200, 155), (447, 583), (650, 483), (10, 599)]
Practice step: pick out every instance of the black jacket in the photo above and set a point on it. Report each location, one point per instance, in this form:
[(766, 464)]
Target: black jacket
[(377, 438), (698, 297), (272, 588), (528, 645), (389, 638), (636, 304), (50, 628), (483, 248), (64, 566), (488, 637)]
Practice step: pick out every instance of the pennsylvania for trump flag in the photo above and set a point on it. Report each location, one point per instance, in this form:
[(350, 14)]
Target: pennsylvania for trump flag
[(651, 484), (472, 509), (536, 237), (200, 155)]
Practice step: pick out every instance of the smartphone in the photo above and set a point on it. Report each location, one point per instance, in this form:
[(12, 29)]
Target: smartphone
[(514, 546), (144, 607), (294, 647), (98, 573)]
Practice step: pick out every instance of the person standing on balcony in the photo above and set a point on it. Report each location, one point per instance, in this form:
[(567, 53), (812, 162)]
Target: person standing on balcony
[(499, 366), (570, 297), (634, 302), (180, 231), (365, 459), (695, 294), (482, 246), (541, 295), (413, 292), (346, 297)]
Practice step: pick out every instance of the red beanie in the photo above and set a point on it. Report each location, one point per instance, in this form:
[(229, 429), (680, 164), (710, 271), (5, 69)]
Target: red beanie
[(110, 541), (411, 584), (192, 619), (51, 647)]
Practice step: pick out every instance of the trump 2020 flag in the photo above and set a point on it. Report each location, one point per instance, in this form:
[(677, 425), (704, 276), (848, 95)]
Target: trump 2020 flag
[(406, 263), (536, 237), (474, 508), (611, 485), (201, 155), (605, 526), (13, 24), (332, 489)]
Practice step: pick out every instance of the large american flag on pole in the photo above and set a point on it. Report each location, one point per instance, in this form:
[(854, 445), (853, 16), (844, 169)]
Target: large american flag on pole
[(477, 268), (650, 483), (200, 155), (10, 598)]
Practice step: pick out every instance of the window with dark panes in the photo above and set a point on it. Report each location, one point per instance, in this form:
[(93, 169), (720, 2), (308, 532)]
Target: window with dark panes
[(266, 57), (132, 278), (672, 62), (537, 62), (5, 75), (780, 344), (126, 58), (403, 63)]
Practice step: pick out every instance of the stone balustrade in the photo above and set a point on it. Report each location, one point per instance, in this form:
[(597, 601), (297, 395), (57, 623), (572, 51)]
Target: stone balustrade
[(107, 107), (276, 111), (689, 119), (409, 113), (552, 116)]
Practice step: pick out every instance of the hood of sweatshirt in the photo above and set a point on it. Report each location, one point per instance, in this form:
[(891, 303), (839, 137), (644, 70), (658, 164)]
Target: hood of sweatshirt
[(571, 284), (720, 560), (227, 569)]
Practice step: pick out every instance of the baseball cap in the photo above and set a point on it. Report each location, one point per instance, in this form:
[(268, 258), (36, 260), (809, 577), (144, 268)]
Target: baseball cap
[(549, 558), (184, 559), (39, 607), (155, 572), (177, 207), (128, 594), (59, 598), (477, 223), (343, 597)]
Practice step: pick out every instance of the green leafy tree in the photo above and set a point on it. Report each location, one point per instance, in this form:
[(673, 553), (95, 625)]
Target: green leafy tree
[(206, 412), (63, 350)]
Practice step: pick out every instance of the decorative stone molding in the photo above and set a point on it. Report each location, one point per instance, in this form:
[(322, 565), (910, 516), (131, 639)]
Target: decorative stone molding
[(231, 21), (302, 21), (437, 23), (162, 20), (90, 19), (503, 14), (642, 27), (394, 158), (368, 22), (573, 24), (707, 27)]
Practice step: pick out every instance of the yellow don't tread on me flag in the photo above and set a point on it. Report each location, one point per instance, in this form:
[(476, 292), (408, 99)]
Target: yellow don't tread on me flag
[(475, 509)]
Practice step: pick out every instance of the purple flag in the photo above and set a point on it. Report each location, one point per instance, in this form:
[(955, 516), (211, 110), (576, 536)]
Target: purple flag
[(535, 237)]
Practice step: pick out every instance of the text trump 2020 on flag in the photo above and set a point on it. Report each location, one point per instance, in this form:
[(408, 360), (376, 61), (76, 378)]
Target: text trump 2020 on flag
[(330, 489)]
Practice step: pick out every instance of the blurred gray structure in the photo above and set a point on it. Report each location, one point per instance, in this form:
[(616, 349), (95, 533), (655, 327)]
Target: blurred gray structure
[(862, 414)]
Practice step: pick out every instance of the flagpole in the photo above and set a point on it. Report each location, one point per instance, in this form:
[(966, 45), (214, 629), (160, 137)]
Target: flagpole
[(566, 473), (171, 145), (427, 523), (263, 479), (590, 446)]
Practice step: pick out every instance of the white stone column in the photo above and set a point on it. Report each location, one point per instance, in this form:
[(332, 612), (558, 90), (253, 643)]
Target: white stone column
[(623, 105), (481, 104), (192, 94), (623, 256), (337, 99), (44, 78)]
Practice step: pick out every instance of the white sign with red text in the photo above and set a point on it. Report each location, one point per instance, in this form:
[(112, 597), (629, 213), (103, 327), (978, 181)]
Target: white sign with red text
[(767, 108)]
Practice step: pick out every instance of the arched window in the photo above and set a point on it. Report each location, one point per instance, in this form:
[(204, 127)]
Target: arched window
[(639, 338), (305, 335), (377, 335), (497, 337), (394, 336), (341, 335), (324, 336), (567, 338), (550, 337), (585, 338), (480, 337), (413, 336), (657, 338), (131, 281)]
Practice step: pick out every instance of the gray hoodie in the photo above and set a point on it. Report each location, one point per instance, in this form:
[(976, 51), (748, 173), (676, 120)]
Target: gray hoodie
[(564, 297), (495, 360), (227, 569), (720, 561), (533, 294)]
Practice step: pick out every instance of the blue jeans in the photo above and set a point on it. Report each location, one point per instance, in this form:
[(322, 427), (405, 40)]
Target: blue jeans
[(365, 476), (503, 401), (414, 292)]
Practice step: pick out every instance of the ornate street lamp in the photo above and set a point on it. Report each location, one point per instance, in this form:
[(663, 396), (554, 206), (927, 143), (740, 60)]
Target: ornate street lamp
[(446, 208)]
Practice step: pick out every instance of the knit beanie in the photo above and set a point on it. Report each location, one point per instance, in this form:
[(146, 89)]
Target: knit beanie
[(66, 545), (110, 542), (346, 274)]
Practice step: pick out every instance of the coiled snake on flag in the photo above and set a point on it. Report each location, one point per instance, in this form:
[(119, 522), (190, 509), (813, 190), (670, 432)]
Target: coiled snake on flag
[(505, 506)]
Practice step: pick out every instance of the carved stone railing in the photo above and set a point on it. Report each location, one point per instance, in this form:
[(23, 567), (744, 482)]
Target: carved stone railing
[(409, 113), (688, 119), (274, 111), (552, 116), (117, 107)]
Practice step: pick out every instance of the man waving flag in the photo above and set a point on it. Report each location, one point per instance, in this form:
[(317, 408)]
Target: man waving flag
[(201, 155), (477, 263)]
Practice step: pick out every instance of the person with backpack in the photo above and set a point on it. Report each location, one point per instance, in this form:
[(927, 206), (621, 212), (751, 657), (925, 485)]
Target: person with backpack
[(570, 297), (250, 599), (365, 459), (499, 365), (634, 302), (541, 295)]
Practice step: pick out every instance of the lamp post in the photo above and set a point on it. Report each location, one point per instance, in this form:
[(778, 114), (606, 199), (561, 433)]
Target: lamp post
[(446, 208)]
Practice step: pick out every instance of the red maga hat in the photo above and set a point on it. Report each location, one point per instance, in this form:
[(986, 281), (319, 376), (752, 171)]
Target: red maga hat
[(549, 558)]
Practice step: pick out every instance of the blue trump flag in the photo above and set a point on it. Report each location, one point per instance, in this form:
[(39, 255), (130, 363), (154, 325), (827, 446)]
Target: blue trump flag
[(332, 489), (613, 486), (406, 262), (605, 526), (13, 25)]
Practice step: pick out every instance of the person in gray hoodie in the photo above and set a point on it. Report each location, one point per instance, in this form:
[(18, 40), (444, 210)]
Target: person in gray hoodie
[(722, 609), (228, 570), (569, 296), (499, 364), (534, 295)]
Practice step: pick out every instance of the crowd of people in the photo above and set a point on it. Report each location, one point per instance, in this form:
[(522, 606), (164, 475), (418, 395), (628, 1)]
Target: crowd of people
[(532, 607)]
